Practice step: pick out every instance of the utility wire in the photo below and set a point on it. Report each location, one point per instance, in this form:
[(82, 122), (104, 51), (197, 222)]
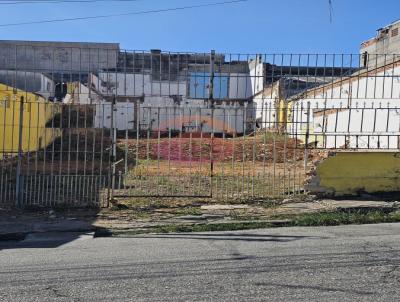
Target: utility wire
[(124, 14), (8, 2), (330, 10)]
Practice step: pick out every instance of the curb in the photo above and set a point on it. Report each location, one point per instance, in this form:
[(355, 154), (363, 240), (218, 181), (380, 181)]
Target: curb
[(19, 236), (142, 230), (13, 236)]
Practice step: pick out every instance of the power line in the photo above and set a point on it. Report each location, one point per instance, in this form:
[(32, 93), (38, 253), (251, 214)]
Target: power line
[(330, 10), (124, 14), (8, 2)]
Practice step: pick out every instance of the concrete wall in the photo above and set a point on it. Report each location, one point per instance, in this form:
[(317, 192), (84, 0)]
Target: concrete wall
[(359, 128), (267, 104), (57, 56), (36, 113), (354, 173), (160, 97), (78, 93), (239, 86), (163, 115), (130, 84), (233, 86), (257, 73), (28, 81)]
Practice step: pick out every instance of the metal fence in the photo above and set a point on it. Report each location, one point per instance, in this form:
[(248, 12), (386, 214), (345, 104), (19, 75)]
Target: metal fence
[(154, 124)]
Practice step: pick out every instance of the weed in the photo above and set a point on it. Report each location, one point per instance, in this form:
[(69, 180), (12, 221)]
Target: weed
[(310, 219), (188, 211), (338, 218)]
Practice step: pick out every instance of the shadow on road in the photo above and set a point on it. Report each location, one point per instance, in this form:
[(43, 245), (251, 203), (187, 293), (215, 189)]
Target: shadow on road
[(246, 237), (44, 240), (44, 228)]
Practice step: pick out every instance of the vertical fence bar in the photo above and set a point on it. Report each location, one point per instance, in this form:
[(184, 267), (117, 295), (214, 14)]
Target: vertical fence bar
[(18, 186), (307, 137)]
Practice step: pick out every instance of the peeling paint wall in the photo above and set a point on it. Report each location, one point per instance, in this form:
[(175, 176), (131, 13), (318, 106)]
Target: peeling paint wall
[(355, 173), (37, 112)]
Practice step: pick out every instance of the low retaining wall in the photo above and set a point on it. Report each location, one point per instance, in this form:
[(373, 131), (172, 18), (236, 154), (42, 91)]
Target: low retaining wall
[(356, 173)]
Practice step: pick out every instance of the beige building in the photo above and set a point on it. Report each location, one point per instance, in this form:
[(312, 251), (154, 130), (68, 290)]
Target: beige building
[(383, 49)]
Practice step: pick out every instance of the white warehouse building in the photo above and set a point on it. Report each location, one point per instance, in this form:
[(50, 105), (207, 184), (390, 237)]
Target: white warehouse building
[(359, 111), (162, 102)]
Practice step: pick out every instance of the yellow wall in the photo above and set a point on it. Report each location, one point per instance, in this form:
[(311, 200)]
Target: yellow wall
[(348, 173), (36, 113)]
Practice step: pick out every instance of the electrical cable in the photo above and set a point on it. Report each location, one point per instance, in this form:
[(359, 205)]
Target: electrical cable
[(124, 14)]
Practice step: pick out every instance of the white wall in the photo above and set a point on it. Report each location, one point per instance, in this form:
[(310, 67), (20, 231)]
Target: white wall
[(359, 128), (240, 86), (266, 105), (194, 118), (82, 95), (129, 84), (256, 75), (155, 111), (365, 95)]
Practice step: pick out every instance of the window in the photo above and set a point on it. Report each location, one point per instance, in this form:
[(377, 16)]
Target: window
[(199, 85), (395, 32), (383, 33)]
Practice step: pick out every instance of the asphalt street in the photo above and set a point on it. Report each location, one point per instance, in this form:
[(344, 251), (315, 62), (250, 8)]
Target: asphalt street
[(345, 263)]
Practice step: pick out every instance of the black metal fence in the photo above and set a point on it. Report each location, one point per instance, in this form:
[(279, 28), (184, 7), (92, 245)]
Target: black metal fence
[(154, 124)]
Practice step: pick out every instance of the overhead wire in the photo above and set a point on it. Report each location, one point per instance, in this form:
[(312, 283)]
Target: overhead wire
[(124, 14), (330, 10), (8, 2)]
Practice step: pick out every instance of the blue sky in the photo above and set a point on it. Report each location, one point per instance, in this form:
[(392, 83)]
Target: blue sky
[(256, 26)]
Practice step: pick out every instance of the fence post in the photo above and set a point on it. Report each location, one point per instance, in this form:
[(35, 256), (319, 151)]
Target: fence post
[(307, 137), (112, 154), (211, 83), (18, 186), (211, 106)]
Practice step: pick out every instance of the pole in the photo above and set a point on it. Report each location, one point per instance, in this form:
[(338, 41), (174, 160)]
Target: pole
[(112, 154), (211, 106), (19, 163), (307, 137)]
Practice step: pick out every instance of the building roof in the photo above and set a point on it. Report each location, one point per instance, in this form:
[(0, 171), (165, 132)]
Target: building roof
[(339, 82), (60, 44)]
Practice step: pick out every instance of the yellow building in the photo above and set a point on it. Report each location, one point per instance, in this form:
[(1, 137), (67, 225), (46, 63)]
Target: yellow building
[(36, 114)]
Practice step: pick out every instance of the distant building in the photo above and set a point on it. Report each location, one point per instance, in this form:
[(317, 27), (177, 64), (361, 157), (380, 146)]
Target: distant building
[(358, 111), (166, 86), (61, 62), (28, 81), (57, 57), (383, 49), (284, 82)]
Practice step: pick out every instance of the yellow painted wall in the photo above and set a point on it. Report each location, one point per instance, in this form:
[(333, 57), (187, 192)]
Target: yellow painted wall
[(36, 113), (348, 173)]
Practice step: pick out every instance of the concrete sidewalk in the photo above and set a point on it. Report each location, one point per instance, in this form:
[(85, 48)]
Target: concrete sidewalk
[(15, 224)]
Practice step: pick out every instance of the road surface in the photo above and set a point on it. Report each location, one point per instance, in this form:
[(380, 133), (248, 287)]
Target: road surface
[(345, 263)]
